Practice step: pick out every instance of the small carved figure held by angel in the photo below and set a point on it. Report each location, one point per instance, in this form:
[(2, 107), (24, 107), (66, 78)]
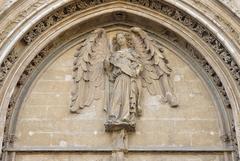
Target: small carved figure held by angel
[(122, 71)]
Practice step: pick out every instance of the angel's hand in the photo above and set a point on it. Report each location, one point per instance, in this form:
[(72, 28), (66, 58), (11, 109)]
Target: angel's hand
[(139, 69), (106, 65)]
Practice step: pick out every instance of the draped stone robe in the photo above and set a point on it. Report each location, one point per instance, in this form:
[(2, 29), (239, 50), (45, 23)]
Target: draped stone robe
[(125, 94)]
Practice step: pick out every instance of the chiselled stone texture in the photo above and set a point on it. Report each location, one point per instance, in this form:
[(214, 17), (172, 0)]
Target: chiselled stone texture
[(59, 15), (193, 53), (233, 5), (166, 9), (45, 119), (4, 4), (122, 73), (178, 15), (45, 112), (220, 19), (19, 17), (131, 157), (7, 65)]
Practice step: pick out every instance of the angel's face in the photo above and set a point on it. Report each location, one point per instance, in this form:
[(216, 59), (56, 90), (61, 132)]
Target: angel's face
[(121, 40)]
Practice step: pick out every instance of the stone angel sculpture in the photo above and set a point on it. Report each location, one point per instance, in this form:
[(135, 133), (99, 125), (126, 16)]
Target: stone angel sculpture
[(122, 74)]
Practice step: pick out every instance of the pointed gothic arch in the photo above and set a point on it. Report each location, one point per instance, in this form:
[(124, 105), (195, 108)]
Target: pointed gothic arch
[(215, 53)]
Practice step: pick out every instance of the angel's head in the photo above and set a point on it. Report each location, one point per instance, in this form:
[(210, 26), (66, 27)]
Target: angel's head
[(121, 41)]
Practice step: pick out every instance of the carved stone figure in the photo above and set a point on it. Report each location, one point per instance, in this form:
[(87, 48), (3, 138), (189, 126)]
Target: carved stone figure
[(121, 72)]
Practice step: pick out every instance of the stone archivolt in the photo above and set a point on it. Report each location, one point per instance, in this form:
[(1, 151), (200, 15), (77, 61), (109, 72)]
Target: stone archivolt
[(168, 35), (178, 15), (19, 17), (7, 65)]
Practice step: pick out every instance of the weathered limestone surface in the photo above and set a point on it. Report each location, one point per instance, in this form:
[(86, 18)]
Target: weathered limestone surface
[(45, 119), (4, 4), (233, 5), (131, 156)]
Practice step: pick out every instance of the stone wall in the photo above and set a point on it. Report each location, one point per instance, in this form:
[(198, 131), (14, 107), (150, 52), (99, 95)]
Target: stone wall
[(132, 157), (45, 120), (46, 130)]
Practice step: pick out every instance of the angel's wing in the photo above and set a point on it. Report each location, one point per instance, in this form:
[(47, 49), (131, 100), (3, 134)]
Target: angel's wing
[(88, 71), (156, 72)]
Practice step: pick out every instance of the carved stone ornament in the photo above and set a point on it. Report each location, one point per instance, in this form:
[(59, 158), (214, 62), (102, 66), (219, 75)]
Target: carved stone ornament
[(174, 13), (164, 8), (121, 72), (20, 16), (7, 65)]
